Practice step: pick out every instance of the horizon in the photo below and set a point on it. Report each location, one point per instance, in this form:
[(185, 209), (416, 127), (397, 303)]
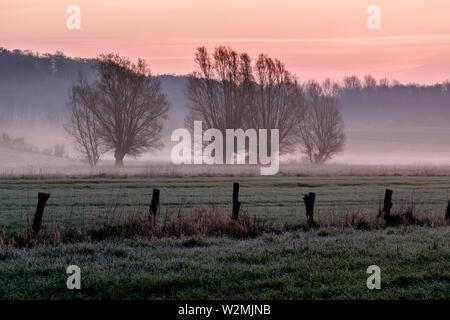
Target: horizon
[(315, 41), (338, 80)]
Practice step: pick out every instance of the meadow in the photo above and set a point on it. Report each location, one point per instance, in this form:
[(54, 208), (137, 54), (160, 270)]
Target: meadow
[(324, 263), (275, 199), (414, 263)]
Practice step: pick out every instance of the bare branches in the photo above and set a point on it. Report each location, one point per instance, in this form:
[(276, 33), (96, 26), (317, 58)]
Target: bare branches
[(127, 105), (82, 125), (275, 99), (227, 92), (321, 131), (218, 91)]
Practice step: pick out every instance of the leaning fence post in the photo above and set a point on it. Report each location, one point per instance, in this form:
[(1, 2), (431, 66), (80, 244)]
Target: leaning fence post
[(387, 204), (154, 205), (236, 203), (447, 214), (309, 200), (42, 201)]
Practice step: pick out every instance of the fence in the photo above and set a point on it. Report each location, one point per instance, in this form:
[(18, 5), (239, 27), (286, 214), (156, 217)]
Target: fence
[(308, 199)]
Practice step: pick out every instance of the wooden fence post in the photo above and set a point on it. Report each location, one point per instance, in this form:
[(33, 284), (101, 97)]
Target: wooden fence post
[(42, 201), (309, 200), (154, 205), (236, 203), (447, 214), (387, 204)]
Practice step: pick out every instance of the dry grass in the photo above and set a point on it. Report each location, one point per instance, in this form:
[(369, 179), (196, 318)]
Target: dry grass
[(356, 219), (203, 223), (66, 168), (407, 216), (52, 235), (400, 216), (137, 225)]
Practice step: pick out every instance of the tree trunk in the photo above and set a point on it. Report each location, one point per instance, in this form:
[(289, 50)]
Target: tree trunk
[(119, 159), (319, 159)]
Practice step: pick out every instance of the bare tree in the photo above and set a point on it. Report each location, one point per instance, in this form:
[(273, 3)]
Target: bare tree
[(122, 111), (352, 83), (227, 92), (331, 88), (370, 82), (82, 125), (130, 106), (276, 98), (219, 91), (384, 83), (321, 128)]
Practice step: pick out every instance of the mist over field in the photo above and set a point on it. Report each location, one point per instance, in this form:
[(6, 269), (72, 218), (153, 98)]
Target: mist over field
[(394, 124)]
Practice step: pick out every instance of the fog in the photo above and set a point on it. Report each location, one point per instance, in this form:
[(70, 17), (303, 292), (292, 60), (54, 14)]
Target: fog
[(418, 146), (394, 125)]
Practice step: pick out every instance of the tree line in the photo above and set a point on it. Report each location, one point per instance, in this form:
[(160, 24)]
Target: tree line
[(122, 110), (229, 91), (33, 91)]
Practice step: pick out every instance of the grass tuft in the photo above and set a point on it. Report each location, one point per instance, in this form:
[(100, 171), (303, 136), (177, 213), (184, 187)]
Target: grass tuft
[(201, 222)]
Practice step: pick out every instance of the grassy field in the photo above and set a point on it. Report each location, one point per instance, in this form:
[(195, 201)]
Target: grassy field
[(414, 262), (319, 264), (275, 199)]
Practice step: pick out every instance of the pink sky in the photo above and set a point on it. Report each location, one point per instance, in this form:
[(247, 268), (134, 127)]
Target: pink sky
[(315, 39)]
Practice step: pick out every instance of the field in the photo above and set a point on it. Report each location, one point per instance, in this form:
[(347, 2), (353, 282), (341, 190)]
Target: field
[(274, 199), (296, 264), (414, 262)]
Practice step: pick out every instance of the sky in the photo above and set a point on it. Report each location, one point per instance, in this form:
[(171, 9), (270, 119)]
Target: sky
[(315, 39)]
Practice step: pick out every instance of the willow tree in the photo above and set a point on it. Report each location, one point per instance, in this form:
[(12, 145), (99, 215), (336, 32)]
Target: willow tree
[(219, 90), (228, 91), (276, 99), (83, 125), (128, 106), (321, 127)]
